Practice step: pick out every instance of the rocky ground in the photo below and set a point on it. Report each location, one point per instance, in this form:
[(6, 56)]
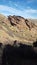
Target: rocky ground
[(17, 28), (18, 41)]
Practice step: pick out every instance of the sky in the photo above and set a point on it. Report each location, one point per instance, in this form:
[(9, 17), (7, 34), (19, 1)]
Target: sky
[(24, 8)]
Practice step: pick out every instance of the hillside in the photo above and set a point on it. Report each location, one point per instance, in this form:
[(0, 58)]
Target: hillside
[(17, 28)]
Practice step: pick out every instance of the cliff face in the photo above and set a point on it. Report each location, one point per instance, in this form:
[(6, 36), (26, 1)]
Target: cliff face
[(17, 28), (18, 20)]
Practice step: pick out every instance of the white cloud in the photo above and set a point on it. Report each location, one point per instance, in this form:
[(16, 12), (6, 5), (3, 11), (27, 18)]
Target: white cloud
[(32, 11), (13, 11)]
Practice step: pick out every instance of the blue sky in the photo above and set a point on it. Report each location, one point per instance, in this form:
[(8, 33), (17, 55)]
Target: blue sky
[(25, 8)]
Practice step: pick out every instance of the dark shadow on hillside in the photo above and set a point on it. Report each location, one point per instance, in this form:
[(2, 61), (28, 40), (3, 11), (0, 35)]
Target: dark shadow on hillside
[(1, 53), (35, 44), (19, 55)]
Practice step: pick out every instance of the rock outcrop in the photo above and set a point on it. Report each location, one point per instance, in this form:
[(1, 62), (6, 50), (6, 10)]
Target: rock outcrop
[(14, 20), (17, 28)]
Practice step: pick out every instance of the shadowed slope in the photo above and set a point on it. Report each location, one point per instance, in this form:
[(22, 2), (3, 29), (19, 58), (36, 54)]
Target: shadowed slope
[(22, 55)]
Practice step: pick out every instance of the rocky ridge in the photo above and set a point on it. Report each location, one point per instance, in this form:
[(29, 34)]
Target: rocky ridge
[(17, 28)]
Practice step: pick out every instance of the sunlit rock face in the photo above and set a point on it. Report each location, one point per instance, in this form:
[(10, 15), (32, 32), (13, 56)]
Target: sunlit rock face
[(17, 28)]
